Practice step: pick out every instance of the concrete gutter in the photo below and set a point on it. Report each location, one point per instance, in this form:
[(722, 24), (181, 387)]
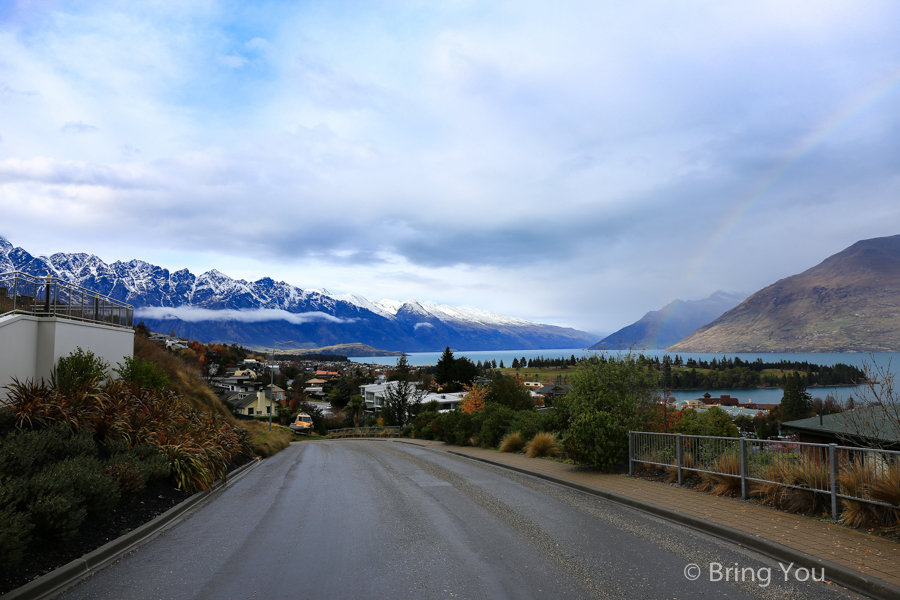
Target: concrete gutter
[(55, 582), (854, 580)]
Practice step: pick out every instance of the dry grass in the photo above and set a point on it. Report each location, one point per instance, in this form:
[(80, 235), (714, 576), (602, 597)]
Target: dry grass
[(804, 473), (265, 442), (543, 444), (726, 480), (688, 463), (807, 474), (184, 379), (884, 486), (475, 441), (512, 442)]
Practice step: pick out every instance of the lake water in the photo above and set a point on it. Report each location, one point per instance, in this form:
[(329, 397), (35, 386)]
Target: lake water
[(761, 395), (856, 359)]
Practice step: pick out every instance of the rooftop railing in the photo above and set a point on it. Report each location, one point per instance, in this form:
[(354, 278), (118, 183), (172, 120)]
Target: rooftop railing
[(24, 294)]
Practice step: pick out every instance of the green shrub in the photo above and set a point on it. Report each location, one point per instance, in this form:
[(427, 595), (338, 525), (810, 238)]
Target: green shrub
[(495, 422), (23, 452), (61, 495), (131, 469), (142, 373), (80, 369), (527, 423), (467, 425), (713, 421), (557, 418), (97, 490), (15, 533), (608, 394), (52, 505), (128, 476), (597, 439), (425, 425)]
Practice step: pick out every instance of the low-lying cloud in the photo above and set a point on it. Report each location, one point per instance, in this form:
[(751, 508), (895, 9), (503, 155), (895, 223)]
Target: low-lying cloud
[(193, 314)]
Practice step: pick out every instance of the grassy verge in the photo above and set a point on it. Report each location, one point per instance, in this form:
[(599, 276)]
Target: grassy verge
[(265, 442), (184, 379)]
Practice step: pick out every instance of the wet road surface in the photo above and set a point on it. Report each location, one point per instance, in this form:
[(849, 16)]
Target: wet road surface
[(373, 519)]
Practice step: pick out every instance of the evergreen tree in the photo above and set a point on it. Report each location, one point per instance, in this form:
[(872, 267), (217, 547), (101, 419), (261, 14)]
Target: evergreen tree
[(667, 372), (443, 373), (796, 402), (515, 363), (464, 370)]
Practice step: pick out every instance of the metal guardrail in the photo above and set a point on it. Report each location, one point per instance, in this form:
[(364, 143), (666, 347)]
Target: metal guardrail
[(21, 293), (364, 432), (829, 469)]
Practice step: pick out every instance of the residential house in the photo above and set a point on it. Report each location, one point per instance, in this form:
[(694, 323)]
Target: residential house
[(552, 391), (262, 402), (861, 427)]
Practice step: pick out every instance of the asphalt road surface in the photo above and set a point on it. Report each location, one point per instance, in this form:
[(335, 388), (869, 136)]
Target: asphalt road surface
[(379, 519)]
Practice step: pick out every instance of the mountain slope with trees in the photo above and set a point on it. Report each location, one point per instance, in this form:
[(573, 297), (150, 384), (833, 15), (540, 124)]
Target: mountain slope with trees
[(848, 303)]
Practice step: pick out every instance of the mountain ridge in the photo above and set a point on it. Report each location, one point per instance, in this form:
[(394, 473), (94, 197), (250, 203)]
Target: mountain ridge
[(846, 303), (675, 321), (315, 316)]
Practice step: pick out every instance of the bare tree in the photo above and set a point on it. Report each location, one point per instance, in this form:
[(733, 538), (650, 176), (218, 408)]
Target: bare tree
[(872, 416), (402, 399)]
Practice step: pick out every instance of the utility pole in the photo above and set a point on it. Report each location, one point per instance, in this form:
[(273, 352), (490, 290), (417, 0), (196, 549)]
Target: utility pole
[(272, 385)]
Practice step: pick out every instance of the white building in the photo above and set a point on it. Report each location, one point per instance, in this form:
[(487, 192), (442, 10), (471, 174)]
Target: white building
[(374, 394)]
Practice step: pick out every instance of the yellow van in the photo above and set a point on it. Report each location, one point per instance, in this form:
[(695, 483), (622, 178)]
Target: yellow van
[(302, 425)]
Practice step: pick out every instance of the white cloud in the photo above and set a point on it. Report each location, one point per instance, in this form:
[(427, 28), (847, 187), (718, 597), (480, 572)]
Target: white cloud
[(77, 127), (193, 314), (580, 163)]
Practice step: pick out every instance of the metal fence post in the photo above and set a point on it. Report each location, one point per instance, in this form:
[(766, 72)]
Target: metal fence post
[(47, 295), (745, 488), (832, 465), (679, 454), (631, 453)]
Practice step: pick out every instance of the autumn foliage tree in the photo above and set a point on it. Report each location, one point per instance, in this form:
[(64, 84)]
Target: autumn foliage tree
[(475, 398)]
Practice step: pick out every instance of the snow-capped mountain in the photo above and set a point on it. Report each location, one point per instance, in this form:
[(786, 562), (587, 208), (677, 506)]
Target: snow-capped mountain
[(214, 307)]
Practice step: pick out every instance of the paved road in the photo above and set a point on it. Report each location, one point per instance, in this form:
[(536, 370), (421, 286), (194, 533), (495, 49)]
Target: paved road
[(373, 519)]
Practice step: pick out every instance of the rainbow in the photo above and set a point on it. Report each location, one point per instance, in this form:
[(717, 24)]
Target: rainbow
[(842, 118)]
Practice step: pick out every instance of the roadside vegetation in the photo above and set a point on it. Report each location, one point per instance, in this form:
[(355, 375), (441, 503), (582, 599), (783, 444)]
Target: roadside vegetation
[(81, 447), (267, 443), (612, 395)]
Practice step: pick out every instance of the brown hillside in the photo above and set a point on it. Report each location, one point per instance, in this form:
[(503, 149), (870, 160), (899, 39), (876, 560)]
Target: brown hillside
[(184, 379), (848, 303)]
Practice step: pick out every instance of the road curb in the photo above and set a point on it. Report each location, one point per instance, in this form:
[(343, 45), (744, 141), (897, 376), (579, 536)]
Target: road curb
[(854, 580), (56, 581)]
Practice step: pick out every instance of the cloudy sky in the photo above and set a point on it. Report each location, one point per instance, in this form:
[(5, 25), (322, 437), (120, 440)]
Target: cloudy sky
[(573, 163)]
